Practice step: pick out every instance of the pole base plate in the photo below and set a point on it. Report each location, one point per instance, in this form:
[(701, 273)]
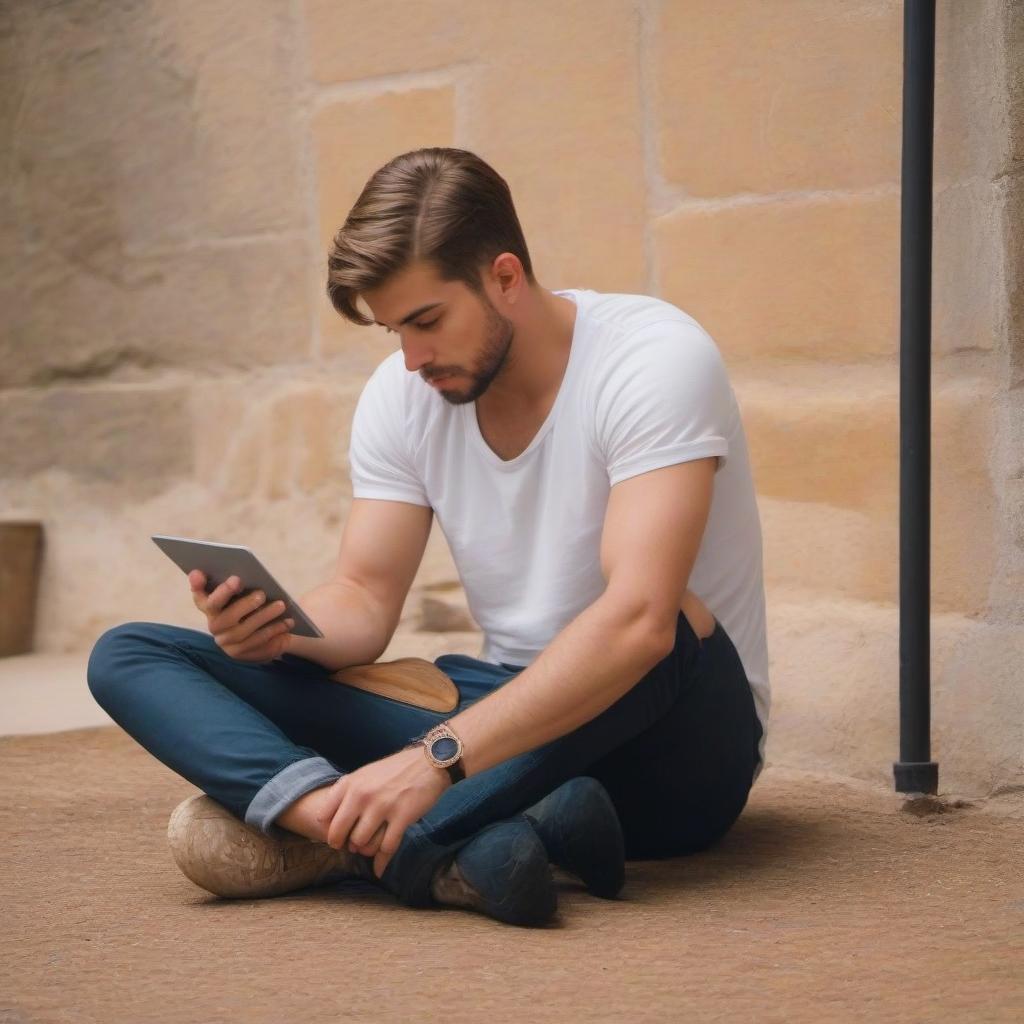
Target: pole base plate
[(916, 776)]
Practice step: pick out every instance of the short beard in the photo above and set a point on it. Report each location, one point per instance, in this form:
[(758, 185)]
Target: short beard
[(494, 358)]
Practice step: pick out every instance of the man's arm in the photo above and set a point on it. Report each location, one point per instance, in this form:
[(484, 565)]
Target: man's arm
[(382, 545), (653, 527)]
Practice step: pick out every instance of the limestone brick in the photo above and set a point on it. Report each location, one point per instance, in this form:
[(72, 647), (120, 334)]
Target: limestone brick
[(570, 146), (353, 139), (752, 100), (1012, 335), (561, 118), (817, 549), (233, 63), (273, 438), (1011, 35), (147, 137), (976, 130), (966, 268), (834, 670), (825, 447), (367, 38), (209, 309), (154, 124), (788, 279), (134, 441)]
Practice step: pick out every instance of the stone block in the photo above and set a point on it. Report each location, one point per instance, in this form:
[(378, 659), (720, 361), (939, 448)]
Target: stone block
[(272, 438), (752, 100), (788, 279), (820, 445), (813, 548), (835, 695), (136, 441), (1010, 63), (235, 64), (147, 137), (368, 38), (978, 132), (153, 125), (979, 725), (967, 258), (1011, 339), (208, 309), (353, 139), (571, 147)]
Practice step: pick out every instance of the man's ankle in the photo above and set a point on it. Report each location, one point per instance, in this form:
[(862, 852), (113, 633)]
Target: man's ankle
[(300, 816)]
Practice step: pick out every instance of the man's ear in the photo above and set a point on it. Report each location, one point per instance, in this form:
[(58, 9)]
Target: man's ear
[(506, 272)]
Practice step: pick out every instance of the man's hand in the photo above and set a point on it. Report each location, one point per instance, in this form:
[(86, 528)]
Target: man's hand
[(242, 626), (368, 810)]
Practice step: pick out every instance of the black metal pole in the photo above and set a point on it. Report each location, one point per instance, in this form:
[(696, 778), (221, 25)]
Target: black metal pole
[(915, 772)]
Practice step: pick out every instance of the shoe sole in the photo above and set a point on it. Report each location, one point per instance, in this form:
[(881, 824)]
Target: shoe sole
[(229, 858)]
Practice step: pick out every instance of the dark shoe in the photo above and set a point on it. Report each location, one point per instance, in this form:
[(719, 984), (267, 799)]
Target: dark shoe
[(501, 872), (580, 830)]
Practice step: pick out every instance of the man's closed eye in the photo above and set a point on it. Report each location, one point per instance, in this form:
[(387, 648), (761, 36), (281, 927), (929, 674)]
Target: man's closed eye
[(422, 327)]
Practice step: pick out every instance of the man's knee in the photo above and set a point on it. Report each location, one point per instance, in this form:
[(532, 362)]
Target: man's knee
[(113, 660)]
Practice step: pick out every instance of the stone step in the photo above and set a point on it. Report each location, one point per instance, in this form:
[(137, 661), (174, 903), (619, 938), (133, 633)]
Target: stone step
[(803, 277), (834, 673), (824, 448)]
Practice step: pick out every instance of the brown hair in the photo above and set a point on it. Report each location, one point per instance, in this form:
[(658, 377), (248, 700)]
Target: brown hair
[(439, 205)]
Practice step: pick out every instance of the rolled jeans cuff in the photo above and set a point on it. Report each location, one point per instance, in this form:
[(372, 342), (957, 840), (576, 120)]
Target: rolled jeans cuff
[(284, 789)]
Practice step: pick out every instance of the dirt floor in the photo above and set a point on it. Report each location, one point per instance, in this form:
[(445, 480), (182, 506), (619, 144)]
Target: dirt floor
[(827, 902)]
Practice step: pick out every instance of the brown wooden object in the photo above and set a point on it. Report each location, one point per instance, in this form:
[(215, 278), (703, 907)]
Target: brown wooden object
[(414, 681), (21, 546)]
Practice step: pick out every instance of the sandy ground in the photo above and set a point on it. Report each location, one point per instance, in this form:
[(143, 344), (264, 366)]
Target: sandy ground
[(827, 902)]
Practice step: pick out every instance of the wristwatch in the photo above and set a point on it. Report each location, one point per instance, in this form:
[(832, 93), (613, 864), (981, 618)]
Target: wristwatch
[(444, 750)]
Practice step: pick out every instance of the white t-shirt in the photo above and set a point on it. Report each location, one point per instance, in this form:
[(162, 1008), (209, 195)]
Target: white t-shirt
[(645, 387)]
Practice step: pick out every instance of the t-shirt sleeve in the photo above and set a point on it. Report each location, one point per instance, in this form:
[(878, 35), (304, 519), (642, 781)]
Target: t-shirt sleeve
[(664, 398), (380, 463)]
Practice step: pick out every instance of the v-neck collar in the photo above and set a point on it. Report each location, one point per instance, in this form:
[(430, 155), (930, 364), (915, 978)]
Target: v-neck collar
[(472, 424)]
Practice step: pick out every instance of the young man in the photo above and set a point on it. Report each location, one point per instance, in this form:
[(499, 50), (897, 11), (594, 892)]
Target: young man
[(585, 458)]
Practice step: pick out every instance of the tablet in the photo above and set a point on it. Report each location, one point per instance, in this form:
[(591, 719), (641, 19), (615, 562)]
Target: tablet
[(220, 561)]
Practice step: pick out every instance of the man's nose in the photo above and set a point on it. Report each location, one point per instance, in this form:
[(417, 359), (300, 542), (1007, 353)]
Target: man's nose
[(417, 357)]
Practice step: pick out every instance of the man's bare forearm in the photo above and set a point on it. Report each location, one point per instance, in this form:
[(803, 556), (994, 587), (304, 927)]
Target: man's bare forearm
[(355, 630), (588, 666)]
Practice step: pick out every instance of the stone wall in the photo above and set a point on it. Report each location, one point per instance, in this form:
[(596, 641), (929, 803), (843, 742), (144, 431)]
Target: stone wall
[(172, 172)]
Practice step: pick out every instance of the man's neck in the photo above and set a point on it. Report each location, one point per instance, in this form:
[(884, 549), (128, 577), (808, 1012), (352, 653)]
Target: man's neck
[(537, 359)]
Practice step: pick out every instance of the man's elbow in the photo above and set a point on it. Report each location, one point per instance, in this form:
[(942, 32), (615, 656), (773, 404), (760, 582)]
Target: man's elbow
[(650, 633), (663, 640)]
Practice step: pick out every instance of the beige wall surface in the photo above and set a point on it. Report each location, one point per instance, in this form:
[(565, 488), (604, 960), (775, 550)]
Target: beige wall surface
[(172, 172)]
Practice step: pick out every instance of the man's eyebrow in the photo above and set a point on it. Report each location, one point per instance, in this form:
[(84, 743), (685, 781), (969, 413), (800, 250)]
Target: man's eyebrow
[(412, 316)]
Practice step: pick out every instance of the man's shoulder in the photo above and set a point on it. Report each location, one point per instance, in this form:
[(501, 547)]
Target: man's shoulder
[(633, 312), (645, 330)]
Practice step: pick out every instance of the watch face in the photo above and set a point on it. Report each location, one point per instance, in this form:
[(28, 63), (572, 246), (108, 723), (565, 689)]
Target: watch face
[(444, 748)]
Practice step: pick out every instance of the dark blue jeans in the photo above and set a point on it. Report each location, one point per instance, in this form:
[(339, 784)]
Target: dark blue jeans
[(677, 752)]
